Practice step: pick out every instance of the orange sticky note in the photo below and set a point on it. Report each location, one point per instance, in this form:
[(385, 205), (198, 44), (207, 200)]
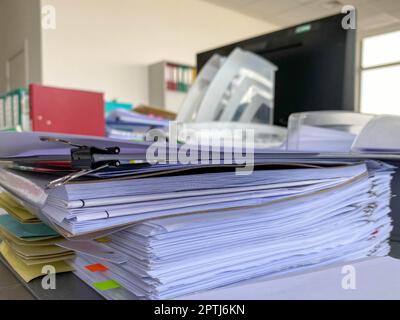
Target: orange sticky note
[(98, 267)]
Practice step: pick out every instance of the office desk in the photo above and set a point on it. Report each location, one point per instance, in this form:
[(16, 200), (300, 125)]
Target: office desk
[(376, 278), (11, 287)]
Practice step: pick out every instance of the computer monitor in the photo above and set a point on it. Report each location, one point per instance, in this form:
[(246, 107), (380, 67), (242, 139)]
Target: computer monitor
[(316, 62)]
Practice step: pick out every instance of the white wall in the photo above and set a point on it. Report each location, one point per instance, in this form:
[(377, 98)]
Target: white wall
[(107, 44), (20, 21)]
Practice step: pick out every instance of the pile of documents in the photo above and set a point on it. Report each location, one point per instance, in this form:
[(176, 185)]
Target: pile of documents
[(303, 219), (130, 125), (28, 245), (181, 228)]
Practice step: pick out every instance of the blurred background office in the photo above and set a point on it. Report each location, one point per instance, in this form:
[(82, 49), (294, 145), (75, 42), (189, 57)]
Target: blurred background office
[(127, 48)]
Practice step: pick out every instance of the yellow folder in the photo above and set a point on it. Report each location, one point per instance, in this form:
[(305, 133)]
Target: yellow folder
[(16, 210), (28, 273), (38, 251)]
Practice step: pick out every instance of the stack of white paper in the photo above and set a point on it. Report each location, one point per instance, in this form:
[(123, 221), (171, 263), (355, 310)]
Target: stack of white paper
[(331, 220), (89, 206)]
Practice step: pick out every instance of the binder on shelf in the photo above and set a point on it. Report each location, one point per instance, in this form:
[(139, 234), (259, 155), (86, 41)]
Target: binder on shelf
[(2, 113), (14, 111), (169, 78), (8, 111), (179, 77)]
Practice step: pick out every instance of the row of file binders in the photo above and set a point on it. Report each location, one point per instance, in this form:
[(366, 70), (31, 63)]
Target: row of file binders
[(175, 229), (15, 111), (178, 77)]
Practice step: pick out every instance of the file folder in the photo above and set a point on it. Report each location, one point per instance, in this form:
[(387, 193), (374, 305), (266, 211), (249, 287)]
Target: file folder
[(67, 111)]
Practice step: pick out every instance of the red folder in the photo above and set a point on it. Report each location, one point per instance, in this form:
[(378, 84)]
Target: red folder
[(66, 111)]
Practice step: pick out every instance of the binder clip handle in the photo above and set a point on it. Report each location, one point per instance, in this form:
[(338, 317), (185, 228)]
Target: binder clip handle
[(83, 158)]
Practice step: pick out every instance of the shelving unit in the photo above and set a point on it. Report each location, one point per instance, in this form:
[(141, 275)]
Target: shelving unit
[(169, 83)]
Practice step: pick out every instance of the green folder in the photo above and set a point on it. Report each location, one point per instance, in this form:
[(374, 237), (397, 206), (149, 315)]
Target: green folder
[(26, 231)]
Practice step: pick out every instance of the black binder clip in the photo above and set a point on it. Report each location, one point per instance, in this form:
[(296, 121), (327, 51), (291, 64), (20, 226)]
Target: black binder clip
[(85, 159)]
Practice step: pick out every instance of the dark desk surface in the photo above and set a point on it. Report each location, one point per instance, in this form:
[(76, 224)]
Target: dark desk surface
[(10, 286), (68, 287)]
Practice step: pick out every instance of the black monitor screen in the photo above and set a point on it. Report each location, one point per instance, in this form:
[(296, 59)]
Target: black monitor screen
[(316, 62)]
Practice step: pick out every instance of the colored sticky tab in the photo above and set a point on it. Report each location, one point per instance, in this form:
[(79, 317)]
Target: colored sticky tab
[(98, 267), (103, 240), (106, 285)]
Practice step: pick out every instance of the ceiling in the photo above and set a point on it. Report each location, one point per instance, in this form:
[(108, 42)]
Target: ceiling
[(372, 14)]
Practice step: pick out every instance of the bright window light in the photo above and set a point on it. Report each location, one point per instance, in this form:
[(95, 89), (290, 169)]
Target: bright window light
[(381, 49), (380, 90), (380, 74)]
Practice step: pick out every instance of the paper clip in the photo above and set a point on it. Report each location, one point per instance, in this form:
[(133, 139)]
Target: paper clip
[(83, 158)]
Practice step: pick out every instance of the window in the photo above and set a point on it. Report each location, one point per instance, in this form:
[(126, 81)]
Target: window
[(380, 74)]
